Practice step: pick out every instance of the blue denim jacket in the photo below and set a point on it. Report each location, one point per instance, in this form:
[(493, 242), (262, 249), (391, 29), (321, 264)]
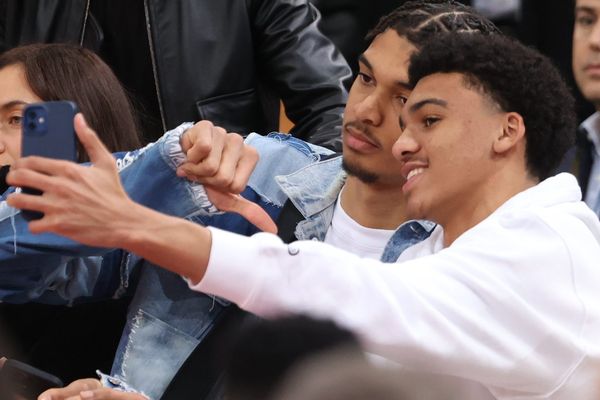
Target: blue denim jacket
[(166, 321)]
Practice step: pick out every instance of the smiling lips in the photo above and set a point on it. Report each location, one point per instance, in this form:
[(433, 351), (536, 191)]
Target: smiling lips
[(411, 170), (414, 172)]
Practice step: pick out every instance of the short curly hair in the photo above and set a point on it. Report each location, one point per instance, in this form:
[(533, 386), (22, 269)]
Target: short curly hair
[(518, 79), (419, 20)]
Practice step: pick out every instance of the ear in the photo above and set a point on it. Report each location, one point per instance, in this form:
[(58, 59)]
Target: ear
[(513, 132)]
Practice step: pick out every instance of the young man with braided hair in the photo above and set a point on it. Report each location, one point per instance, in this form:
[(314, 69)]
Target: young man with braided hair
[(354, 196)]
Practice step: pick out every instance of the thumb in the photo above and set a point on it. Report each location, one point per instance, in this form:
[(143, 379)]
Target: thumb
[(252, 212), (255, 215), (99, 154)]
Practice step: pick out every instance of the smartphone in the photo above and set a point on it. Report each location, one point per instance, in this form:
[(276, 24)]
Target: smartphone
[(48, 132), (22, 381)]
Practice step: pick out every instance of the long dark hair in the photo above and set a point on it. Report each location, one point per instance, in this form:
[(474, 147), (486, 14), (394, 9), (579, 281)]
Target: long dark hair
[(68, 72)]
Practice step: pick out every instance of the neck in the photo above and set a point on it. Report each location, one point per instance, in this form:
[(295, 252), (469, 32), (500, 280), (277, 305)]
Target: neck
[(482, 202), (373, 206)]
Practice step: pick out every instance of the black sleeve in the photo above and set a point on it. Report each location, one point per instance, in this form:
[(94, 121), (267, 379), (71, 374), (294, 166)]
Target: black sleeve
[(303, 67)]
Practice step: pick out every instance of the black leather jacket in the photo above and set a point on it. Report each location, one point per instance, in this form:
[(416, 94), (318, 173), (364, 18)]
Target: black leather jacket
[(228, 61)]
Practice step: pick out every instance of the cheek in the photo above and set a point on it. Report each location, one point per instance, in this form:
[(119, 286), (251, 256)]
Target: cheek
[(13, 146)]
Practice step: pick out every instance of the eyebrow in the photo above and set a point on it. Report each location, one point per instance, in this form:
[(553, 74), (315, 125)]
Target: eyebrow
[(420, 104), (12, 103), (363, 59), (586, 9)]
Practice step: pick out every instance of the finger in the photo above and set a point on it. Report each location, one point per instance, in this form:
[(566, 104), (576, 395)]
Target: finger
[(255, 215), (197, 141), (247, 209), (2, 361), (30, 178), (46, 166), (244, 169), (210, 164), (31, 202), (110, 394), (98, 153), (73, 389), (232, 152)]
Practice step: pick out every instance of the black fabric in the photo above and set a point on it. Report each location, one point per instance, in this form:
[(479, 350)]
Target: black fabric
[(126, 49), (203, 51), (69, 342), (584, 159), (287, 221), (3, 172)]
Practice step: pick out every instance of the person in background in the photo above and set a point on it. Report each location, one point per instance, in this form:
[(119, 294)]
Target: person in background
[(227, 61), (585, 160), (48, 72)]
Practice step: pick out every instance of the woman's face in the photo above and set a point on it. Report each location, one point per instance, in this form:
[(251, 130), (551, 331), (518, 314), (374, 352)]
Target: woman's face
[(15, 94)]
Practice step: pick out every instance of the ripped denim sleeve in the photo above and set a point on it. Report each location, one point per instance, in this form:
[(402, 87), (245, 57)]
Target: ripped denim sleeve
[(174, 156)]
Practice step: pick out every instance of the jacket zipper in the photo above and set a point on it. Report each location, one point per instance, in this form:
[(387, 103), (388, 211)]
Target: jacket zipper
[(154, 69), (85, 18)]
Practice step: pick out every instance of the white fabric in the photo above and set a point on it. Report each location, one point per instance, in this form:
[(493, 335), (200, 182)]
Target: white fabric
[(592, 195), (347, 234), (513, 303)]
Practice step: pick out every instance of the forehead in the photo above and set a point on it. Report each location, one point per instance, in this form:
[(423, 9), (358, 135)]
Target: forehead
[(389, 55), (12, 79), (450, 88)]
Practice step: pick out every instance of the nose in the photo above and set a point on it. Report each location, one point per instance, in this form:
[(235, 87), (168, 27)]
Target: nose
[(369, 110), (594, 38), (405, 146)]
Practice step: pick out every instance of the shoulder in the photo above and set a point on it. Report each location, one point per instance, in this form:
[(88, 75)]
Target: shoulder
[(280, 154)]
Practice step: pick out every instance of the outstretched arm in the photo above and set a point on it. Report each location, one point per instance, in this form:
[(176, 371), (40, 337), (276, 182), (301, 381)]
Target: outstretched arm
[(88, 204)]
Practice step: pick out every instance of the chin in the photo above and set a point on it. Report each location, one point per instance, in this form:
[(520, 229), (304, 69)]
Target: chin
[(353, 168), (415, 209)]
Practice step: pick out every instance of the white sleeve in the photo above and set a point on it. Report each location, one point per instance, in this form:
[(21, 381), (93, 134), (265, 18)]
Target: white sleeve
[(459, 312)]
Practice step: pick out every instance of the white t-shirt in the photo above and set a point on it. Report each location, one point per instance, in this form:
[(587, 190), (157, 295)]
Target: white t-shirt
[(347, 234)]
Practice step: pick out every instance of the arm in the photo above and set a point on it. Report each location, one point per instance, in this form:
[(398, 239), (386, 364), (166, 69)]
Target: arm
[(475, 309), (304, 68), (32, 263)]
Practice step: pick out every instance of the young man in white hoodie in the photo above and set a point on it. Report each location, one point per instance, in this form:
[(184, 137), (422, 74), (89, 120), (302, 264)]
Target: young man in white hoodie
[(504, 296)]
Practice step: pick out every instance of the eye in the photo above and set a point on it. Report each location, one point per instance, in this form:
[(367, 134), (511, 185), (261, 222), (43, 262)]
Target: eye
[(15, 120), (402, 99), (585, 20), (364, 78), (430, 121)]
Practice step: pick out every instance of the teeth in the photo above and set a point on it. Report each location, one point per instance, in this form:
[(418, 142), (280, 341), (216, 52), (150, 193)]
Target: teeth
[(414, 172)]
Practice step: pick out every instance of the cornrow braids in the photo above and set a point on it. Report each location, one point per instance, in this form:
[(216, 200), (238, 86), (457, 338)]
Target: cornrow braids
[(419, 20)]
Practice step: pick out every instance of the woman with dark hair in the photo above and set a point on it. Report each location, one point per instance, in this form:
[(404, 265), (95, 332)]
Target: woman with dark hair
[(47, 72)]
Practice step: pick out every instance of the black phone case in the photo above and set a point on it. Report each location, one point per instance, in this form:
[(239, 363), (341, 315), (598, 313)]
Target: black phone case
[(18, 379)]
